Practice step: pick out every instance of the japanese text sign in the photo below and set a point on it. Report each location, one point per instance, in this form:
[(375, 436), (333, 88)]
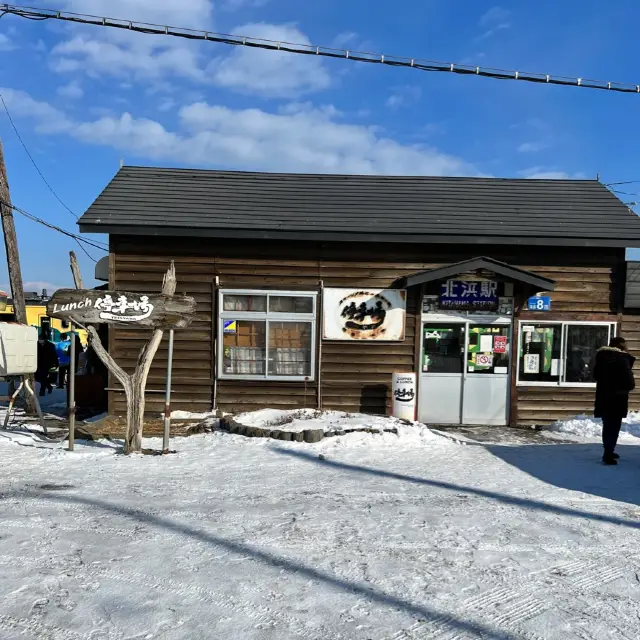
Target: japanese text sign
[(469, 294), (116, 307)]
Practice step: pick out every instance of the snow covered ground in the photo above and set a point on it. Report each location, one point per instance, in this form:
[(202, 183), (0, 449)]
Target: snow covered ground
[(591, 428), (366, 536)]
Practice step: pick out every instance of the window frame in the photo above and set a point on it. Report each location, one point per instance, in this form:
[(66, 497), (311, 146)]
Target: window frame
[(266, 317), (564, 324)]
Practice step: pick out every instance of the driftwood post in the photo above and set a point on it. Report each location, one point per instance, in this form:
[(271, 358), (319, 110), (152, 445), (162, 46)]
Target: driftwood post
[(133, 384)]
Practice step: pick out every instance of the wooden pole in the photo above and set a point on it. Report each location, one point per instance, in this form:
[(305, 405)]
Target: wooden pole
[(72, 389), (167, 403), (13, 261)]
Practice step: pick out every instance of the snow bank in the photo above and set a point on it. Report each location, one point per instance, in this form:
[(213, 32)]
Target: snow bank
[(588, 427), (335, 423), (303, 419)]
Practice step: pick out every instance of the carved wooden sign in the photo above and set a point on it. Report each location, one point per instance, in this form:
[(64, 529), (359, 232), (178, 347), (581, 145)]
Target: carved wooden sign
[(122, 308)]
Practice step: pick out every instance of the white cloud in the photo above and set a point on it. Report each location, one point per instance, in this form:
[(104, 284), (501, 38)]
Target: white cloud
[(308, 140), (99, 57), (403, 96), (492, 32), (300, 139), (494, 20), (182, 13), (119, 53), (6, 44), (237, 5), (494, 15), (36, 286), (166, 104), (270, 73), (546, 173), (533, 147), (47, 119), (345, 40), (73, 90)]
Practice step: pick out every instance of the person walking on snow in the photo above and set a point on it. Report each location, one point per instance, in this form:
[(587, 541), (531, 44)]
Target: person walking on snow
[(47, 360), (63, 350), (613, 373)]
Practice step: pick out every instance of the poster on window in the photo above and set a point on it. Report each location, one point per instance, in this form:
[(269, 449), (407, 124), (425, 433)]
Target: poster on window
[(500, 344), (364, 314), (532, 363)]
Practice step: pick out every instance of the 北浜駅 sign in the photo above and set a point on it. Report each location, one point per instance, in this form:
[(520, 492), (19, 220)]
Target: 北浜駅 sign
[(123, 308)]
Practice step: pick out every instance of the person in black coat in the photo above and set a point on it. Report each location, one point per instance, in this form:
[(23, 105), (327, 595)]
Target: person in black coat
[(613, 373), (47, 360)]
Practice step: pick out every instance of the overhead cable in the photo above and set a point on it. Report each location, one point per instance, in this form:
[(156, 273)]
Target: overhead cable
[(33, 162), (313, 50), (92, 243)]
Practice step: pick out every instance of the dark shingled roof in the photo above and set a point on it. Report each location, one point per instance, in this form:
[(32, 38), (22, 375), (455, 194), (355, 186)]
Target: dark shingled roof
[(234, 204)]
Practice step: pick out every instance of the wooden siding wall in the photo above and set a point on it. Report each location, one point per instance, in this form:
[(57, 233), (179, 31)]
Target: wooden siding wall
[(354, 376), (630, 330), (593, 292)]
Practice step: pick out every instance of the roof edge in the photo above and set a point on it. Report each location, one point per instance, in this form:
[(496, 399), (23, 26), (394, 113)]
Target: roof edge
[(474, 264), (321, 236)]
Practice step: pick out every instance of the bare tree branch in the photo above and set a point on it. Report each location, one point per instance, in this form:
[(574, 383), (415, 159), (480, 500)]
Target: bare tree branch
[(75, 270)]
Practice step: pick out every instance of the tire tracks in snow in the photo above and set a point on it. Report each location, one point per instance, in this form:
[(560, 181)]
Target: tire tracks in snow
[(260, 615), (37, 630), (517, 598)]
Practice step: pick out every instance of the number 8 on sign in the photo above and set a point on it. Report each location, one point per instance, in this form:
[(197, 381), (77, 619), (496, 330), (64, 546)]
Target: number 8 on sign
[(540, 304)]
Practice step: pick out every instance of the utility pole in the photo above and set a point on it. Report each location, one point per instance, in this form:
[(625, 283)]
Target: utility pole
[(13, 260)]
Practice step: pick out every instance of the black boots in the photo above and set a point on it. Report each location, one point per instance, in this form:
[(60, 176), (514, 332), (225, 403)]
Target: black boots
[(610, 458)]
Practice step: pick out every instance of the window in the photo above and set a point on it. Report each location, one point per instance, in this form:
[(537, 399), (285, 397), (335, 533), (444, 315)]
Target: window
[(561, 352), (267, 335), (442, 348), (488, 350)]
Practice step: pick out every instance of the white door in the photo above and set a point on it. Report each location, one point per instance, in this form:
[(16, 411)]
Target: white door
[(464, 373), (441, 373), (486, 381)]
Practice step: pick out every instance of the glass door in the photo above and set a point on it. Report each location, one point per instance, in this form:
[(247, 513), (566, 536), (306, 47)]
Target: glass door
[(441, 373), (486, 379)]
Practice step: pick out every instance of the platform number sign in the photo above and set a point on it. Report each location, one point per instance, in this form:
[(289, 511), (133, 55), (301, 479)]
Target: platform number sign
[(539, 303)]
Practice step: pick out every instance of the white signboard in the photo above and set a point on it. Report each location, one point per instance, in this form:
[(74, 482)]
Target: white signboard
[(364, 314), (532, 363), (404, 396)]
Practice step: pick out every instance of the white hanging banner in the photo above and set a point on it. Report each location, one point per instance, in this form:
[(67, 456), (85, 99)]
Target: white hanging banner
[(404, 396)]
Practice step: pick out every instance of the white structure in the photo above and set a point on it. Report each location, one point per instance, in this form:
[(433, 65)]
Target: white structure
[(404, 396), (18, 349)]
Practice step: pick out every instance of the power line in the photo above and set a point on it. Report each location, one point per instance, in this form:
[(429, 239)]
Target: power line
[(85, 251), (612, 184), (33, 162), (303, 49), (96, 244)]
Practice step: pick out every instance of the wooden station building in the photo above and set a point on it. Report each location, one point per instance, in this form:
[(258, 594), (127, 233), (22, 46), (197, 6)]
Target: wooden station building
[(312, 290)]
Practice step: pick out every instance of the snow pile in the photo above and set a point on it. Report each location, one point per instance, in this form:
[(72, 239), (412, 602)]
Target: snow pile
[(587, 427), (330, 422), (190, 415)]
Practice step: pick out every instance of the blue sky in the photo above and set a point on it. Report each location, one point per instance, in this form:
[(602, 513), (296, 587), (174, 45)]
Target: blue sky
[(84, 98)]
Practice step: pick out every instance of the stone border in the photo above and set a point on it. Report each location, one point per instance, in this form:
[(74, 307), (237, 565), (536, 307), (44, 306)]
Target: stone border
[(308, 435)]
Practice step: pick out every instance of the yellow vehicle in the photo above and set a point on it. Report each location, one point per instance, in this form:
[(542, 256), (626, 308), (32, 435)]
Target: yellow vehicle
[(37, 317)]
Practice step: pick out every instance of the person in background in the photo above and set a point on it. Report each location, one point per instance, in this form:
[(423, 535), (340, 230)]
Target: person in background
[(63, 349), (613, 373), (79, 350), (47, 360)]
